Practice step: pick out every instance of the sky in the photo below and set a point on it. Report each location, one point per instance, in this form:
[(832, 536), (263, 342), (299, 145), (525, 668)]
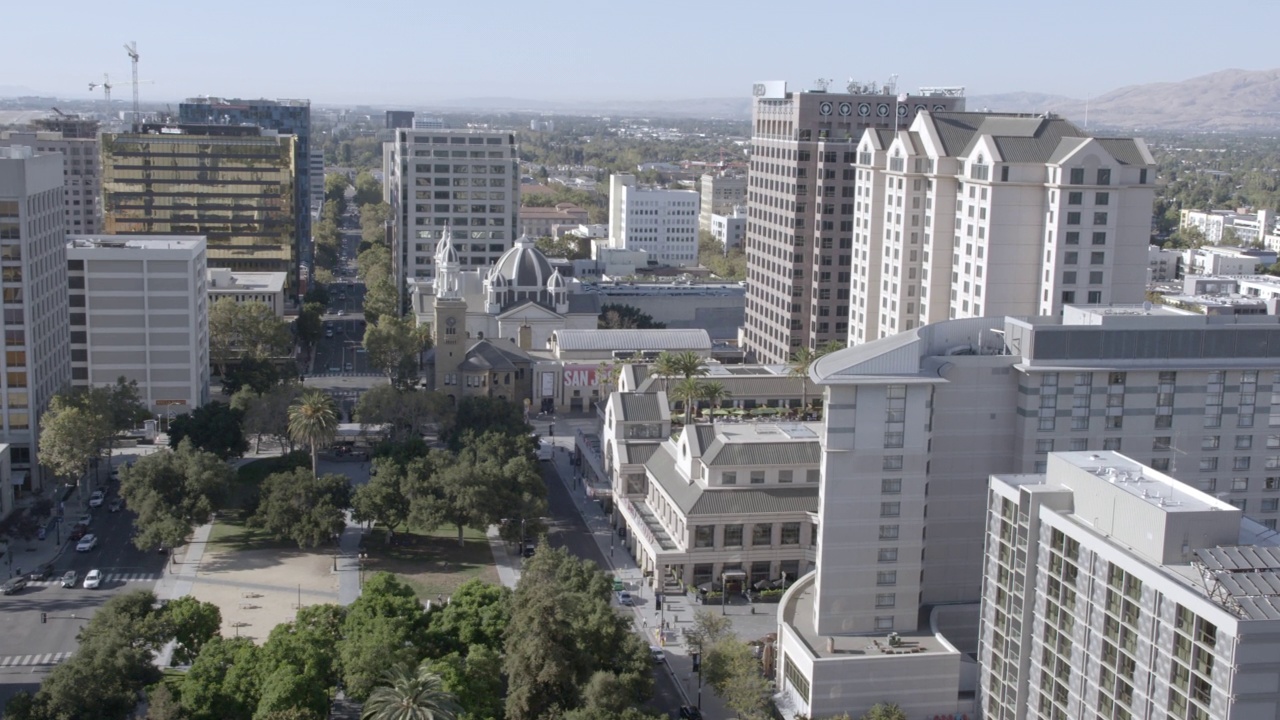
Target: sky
[(417, 52)]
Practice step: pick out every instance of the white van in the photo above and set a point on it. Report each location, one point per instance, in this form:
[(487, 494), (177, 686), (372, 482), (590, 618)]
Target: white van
[(545, 450)]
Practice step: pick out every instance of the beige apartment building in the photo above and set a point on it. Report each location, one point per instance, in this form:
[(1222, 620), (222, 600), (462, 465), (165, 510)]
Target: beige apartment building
[(800, 203), (81, 172), (720, 194)]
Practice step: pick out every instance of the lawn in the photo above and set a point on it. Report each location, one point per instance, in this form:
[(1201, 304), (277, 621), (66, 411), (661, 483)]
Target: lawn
[(230, 532), (432, 562)]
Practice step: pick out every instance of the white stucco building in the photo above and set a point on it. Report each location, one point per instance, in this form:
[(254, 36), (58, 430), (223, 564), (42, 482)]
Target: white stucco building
[(33, 285), (1216, 260), (263, 287), (662, 222), (730, 228), (139, 310)]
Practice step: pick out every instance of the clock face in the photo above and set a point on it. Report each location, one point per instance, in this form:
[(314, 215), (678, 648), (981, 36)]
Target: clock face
[(846, 109), (451, 321), (882, 110), (939, 108), (902, 111), (825, 108), (864, 109), (921, 108)]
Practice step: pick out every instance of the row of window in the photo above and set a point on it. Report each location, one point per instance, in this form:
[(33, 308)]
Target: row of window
[(704, 536)]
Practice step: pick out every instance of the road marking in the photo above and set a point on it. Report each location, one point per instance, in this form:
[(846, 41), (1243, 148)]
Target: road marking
[(45, 659), (113, 577)]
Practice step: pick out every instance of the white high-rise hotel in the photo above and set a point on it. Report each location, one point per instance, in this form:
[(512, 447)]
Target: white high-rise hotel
[(972, 214)]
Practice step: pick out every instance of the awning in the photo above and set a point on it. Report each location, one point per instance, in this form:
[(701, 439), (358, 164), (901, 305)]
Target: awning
[(19, 478)]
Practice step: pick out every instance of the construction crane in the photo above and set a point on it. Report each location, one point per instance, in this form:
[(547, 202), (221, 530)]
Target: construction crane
[(132, 49), (106, 90)]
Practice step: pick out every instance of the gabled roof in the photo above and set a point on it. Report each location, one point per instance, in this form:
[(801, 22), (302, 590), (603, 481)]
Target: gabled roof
[(636, 453), (693, 499), (489, 356), (721, 453), (657, 340), (529, 309), (641, 407)]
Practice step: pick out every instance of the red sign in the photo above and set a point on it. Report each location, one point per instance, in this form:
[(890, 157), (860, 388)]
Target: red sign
[(579, 375)]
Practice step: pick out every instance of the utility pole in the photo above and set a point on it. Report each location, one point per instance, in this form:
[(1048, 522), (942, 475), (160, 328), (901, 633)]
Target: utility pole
[(132, 49)]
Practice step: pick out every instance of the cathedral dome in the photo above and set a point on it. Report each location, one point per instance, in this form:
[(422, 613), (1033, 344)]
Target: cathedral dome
[(523, 267)]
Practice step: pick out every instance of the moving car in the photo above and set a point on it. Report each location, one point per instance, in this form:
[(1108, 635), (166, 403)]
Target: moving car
[(116, 505), (624, 597), (657, 653), (13, 585), (85, 520), (618, 585), (93, 579), (97, 498), (87, 543), (69, 579)]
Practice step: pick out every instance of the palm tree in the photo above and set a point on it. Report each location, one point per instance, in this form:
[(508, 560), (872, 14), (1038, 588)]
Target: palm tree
[(689, 364), (410, 696), (313, 420), (715, 393), (687, 391), (801, 361), (665, 368)]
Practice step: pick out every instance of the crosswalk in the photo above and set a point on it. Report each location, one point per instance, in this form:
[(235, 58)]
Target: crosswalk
[(106, 579), (39, 659)]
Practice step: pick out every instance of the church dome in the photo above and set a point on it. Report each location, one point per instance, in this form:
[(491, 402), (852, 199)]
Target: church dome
[(556, 282), (523, 267), (445, 252)]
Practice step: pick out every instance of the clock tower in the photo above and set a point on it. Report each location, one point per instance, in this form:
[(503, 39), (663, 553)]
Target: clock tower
[(449, 321)]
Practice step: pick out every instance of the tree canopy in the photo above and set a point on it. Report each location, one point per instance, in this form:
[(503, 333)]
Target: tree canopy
[(215, 427), (173, 491), (245, 329), (393, 345), (614, 316), (301, 507)]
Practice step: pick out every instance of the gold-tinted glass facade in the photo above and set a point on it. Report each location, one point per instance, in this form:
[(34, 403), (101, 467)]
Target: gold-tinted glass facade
[(237, 191)]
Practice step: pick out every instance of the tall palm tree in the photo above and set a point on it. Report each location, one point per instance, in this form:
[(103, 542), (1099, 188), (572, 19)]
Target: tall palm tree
[(687, 391), (801, 361), (411, 696), (689, 364), (665, 368), (313, 420), (715, 393)]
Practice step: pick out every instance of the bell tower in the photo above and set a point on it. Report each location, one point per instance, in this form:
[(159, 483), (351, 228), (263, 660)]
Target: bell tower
[(449, 319)]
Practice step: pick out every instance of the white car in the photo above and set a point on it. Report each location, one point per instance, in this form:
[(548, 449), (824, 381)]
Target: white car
[(85, 520), (96, 499), (87, 543), (93, 579)]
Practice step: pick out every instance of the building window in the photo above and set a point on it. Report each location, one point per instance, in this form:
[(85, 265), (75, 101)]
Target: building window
[(1161, 444), (812, 475), (1161, 464), (1112, 444), (791, 533), (784, 476), (886, 600), (733, 536), (757, 477), (704, 536), (1240, 484), (1270, 505), (890, 509), (892, 462), (762, 534), (888, 532), (729, 477), (887, 555), (886, 622), (887, 577), (1073, 218), (1044, 446), (1104, 176), (891, 486), (1077, 176)]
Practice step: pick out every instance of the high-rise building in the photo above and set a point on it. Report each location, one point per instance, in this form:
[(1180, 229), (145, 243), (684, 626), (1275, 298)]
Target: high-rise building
[(233, 184), (917, 422), (397, 119), (465, 180), (1114, 590), (719, 195), (800, 203), (287, 117), (663, 223), (316, 171), (140, 311), (969, 214), (81, 172), (33, 289)]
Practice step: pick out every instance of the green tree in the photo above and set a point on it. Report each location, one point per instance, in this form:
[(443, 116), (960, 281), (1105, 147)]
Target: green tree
[(335, 189), (885, 711), (301, 507), (268, 413), (173, 491), (313, 421), (310, 323), (215, 428), (708, 629), (393, 345), (291, 688), (71, 436), (385, 626), (382, 499), (193, 624), (410, 695), (570, 247), (614, 316), (163, 704), (687, 392), (732, 670), (373, 223), (223, 680), (479, 414), (409, 412), (373, 264), (801, 360), (381, 300), (310, 642), (257, 374), (477, 615), (474, 679), (368, 190), (245, 329), (714, 393)]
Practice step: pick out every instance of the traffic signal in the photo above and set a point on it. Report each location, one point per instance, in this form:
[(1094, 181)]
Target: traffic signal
[(44, 617)]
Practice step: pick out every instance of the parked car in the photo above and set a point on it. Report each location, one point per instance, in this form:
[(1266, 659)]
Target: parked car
[(689, 712), (618, 585), (69, 579), (41, 573), (13, 585), (657, 653), (87, 543), (97, 498), (624, 598), (93, 579), (78, 531), (85, 520), (116, 505)]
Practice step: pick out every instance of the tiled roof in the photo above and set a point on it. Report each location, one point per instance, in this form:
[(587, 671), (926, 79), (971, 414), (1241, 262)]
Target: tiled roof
[(756, 501), (640, 407), (721, 453), (486, 355), (1124, 150), (634, 453), (608, 340)]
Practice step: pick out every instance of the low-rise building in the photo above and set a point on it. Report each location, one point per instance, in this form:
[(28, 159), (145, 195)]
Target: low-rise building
[(1165, 264), (263, 287), (720, 194), (555, 221), (140, 311), (1245, 226), (730, 228), (1212, 260)]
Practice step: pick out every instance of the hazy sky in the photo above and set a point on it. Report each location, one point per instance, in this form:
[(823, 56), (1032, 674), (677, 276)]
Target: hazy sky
[(414, 52)]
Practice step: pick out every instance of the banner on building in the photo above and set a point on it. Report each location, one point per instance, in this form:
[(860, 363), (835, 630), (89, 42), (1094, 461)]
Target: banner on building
[(548, 384)]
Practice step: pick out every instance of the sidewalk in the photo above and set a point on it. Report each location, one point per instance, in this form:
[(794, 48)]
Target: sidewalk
[(678, 611)]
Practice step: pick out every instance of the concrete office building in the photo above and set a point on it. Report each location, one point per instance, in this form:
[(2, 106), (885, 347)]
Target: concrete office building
[(1114, 590), (82, 172), (33, 282), (316, 171), (969, 214), (730, 229), (918, 421), (799, 248), (398, 119), (139, 310), (266, 288), (719, 195), (233, 184), (663, 223), (465, 180), (286, 117)]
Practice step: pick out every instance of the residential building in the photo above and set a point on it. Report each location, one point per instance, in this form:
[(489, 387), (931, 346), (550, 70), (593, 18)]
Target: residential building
[(970, 214), (233, 184), (915, 424), (537, 222), (399, 119), (33, 283), (1219, 260), (286, 117), (140, 311), (719, 194), (662, 222), (729, 504), (1240, 226), (465, 180), (82, 172), (799, 248), (1113, 590), (730, 229), (1163, 264), (266, 288)]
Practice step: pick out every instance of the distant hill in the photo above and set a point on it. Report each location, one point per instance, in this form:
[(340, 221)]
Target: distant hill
[(733, 108)]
